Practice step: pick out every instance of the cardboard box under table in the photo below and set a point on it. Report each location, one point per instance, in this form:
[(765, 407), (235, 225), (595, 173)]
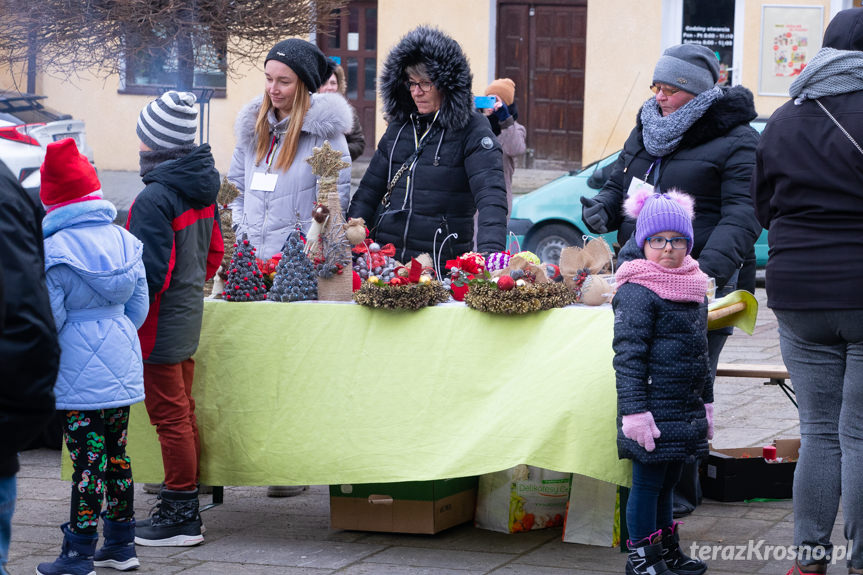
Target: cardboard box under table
[(403, 507), (743, 473)]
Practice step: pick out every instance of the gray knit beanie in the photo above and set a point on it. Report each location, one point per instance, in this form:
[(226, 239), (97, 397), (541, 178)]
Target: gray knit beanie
[(690, 67), (170, 121), (304, 58)]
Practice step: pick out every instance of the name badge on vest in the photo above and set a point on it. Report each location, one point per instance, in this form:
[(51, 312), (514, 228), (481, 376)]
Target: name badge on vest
[(264, 182), (636, 184)]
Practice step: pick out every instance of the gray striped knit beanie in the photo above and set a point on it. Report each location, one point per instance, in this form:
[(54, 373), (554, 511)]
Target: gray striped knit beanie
[(170, 121)]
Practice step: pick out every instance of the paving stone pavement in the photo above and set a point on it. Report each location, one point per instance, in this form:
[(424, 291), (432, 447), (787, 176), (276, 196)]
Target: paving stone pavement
[(252, 534)]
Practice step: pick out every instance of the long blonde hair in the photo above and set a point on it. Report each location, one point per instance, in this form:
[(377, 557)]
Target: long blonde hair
[(301, 105)]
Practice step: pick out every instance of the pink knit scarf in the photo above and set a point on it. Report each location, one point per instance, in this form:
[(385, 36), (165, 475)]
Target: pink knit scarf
[(686, 283)]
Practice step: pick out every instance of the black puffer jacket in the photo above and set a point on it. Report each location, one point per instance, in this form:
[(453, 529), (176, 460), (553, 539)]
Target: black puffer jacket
[(176, 218), (809, 194), (713, 164), (459, 172), (661, 366), (29, 354)]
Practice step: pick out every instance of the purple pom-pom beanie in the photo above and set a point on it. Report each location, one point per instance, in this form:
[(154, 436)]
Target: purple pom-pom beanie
[(663, 213)]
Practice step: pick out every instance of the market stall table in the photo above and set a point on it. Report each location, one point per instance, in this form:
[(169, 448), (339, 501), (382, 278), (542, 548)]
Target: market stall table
[(333, 393)]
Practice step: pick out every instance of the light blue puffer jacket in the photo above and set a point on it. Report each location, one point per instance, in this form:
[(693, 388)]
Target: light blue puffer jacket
[(98, 290)]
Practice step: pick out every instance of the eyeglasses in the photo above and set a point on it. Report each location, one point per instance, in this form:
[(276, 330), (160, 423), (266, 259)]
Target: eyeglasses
[(659, 243), (423, 85), (667, 90)]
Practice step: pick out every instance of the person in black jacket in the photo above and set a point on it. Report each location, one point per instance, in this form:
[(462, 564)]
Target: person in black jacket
[(808, 191), (664, 388), (29, 354), (438, 161), (176, 218), (695, 136)]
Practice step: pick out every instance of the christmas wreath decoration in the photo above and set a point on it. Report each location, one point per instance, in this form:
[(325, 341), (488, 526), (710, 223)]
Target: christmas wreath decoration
[(520, 287), (510, 299), (412, 288)]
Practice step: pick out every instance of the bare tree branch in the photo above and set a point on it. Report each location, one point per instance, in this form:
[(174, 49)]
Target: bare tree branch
[(78, 35)]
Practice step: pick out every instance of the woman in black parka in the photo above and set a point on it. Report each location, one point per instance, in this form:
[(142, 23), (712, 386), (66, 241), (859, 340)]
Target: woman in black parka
[(438, 162), (694, 136)]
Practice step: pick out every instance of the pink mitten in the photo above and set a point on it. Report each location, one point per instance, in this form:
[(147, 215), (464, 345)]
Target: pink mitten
[(640, 427), (708, 407)]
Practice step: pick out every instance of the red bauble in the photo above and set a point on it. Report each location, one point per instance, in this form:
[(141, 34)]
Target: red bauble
[(505, 283)]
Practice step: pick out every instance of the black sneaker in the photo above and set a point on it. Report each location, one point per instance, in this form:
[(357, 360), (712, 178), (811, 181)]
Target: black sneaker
[(174, 522)]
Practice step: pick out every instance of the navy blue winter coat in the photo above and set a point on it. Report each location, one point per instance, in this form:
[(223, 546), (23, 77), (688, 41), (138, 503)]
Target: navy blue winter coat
[(661, 366)]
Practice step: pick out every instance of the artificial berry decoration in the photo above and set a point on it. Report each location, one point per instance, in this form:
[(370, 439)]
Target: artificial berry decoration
[(242, 285), (295, 278)]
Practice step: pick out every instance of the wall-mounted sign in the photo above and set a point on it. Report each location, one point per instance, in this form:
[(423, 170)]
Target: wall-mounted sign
[(790, 37), (711, 24)]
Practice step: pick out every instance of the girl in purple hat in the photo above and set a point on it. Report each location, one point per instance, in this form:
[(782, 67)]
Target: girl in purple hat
[(664, 388)]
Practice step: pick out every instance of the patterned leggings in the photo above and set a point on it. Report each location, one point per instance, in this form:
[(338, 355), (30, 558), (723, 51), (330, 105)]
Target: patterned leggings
[(96, 440)]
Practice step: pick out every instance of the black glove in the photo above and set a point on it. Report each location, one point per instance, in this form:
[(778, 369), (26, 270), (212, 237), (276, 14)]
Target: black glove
[(501, 113), (594, 215)]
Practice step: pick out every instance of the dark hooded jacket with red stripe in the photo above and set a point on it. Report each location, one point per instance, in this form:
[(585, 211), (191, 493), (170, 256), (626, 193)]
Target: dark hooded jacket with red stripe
[(176, 218)]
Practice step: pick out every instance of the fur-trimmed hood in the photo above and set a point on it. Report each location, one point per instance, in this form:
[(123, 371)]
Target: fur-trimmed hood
[(447, 67), (735, 107), (328, 115)]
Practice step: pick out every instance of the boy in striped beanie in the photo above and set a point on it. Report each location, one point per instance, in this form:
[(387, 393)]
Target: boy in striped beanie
[(176, 218), (169, 121)]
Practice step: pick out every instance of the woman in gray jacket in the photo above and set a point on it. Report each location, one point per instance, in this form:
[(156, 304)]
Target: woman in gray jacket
[(275, 134)]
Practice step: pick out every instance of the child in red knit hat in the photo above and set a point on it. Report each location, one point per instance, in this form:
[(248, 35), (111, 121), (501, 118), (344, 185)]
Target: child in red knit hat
[(98, 292)]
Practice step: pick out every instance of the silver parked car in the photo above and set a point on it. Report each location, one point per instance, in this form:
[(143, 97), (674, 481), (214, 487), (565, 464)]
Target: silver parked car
[(26, 128)]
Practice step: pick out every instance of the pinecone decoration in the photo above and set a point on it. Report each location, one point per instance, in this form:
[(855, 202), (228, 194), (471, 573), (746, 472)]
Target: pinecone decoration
[(245, 281), (295, 275)]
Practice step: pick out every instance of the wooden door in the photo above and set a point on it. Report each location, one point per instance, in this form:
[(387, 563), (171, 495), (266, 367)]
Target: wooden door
[(541, 46), (353, 38)]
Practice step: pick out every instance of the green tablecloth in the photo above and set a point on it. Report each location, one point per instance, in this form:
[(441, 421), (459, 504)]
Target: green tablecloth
[(330, 393)]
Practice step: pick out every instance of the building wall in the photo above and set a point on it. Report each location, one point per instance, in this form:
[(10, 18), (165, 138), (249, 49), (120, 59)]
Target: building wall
[(623, 43), (466, 21), (111, 117), (624, 40), (766, 105)]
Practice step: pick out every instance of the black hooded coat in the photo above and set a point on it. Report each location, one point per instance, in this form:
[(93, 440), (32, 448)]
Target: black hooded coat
[(29, 354), (458, 172), (808, 193), (713, 163)]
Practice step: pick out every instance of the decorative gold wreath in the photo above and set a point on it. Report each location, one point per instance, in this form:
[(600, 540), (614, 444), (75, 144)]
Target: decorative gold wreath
[(411, 296), (486, 296)]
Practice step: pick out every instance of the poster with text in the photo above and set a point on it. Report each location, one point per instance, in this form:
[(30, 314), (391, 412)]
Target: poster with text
[(790, 37), (711, 24)]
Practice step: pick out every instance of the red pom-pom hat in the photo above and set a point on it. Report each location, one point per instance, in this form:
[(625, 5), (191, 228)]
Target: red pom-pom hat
[(67, 176)]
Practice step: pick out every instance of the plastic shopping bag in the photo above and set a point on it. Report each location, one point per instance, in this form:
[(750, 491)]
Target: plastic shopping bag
[(522, 498), (593, 513)]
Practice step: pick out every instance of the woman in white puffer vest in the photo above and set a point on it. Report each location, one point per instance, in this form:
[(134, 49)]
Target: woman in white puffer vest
[(275, 134)]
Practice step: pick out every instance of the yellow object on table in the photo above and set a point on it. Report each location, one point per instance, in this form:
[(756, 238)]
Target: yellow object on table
[(738, 309)]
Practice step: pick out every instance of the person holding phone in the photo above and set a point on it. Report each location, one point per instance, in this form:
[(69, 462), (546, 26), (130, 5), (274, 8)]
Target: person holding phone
[(502, 114), (438, 162)]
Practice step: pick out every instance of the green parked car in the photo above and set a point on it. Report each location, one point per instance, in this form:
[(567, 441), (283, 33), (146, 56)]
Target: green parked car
[(548, 219)]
